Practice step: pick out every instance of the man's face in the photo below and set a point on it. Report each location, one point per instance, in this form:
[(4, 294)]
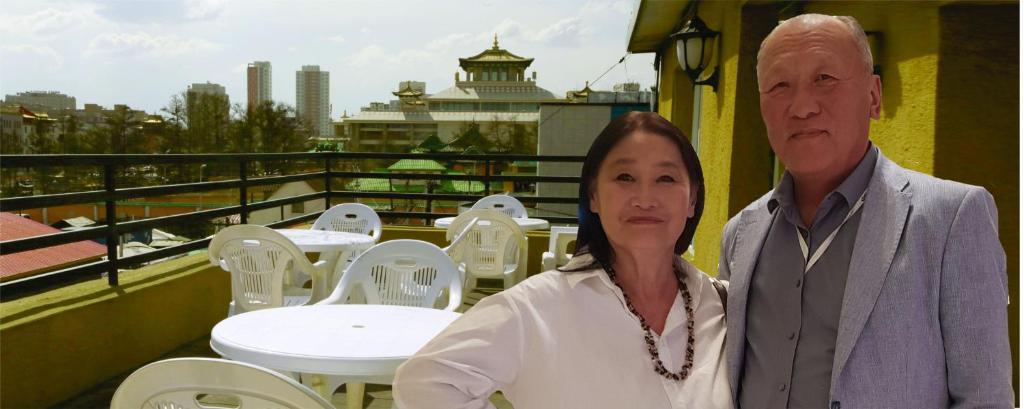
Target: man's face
[(817, 98)]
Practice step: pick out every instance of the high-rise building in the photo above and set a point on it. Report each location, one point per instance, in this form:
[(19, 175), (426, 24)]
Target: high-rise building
[(258, 80), (312, 99), (205, 94), (42, 100)]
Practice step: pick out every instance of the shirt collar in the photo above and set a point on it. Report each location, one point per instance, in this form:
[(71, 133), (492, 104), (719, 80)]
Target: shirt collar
[(576, 277), (851, 188)]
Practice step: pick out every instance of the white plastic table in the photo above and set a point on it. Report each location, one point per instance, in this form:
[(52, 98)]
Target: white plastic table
[(362, 343), (526, 224), (331, 245)]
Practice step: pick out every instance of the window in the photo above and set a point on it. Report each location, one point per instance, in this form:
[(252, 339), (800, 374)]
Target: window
[(299, 208)]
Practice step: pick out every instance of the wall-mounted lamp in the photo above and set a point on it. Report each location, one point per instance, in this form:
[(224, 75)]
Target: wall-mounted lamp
[(695, 46)]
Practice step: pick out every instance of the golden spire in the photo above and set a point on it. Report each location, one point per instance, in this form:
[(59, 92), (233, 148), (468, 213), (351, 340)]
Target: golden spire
[(495, 41)]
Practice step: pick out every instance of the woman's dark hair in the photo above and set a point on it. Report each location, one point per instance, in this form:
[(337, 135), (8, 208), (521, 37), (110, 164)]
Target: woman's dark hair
[(592, 238)]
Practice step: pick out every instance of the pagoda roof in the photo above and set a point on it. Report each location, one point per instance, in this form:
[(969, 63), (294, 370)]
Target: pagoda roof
[(512, 92), (407, 92), (493, 55)]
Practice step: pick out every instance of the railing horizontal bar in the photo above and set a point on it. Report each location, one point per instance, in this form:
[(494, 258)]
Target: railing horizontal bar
[(450, 197), (137, 225), (22, 161), (275, 180), (425, 176), (294, 220), (133, 192), (49, 240), (285, 201), (59, 199), (457, 156)]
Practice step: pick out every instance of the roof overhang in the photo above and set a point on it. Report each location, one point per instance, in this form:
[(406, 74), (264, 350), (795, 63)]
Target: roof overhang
[(652, 22)]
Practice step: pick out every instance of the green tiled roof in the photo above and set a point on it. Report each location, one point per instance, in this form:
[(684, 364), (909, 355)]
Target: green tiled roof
[(370, 185), (416, 164), (462, 186)]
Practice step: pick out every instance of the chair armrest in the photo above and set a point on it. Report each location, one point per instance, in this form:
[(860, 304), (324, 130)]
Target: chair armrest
[(547, 261), (461, 236)]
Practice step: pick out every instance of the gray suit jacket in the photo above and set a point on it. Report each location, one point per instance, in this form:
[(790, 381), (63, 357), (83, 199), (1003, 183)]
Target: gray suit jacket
[(924, 316)]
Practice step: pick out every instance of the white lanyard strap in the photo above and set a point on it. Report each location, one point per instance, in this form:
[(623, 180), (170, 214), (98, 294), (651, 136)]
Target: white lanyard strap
[(809, 262)]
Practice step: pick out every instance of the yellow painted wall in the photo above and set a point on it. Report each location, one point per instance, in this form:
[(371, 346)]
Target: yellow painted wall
[(62, 342), (908, 56)]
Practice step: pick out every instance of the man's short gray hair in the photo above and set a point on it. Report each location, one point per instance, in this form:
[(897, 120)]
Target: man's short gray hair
[(856, 31)]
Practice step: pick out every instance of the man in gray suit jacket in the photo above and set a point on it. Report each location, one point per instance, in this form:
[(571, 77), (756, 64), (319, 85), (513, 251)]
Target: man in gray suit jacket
[(856, 283)]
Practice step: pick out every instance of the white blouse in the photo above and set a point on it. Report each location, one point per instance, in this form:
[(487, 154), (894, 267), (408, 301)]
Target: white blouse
[(567, 340)]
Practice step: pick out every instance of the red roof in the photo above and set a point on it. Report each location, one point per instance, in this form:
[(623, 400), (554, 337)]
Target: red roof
[(15, 265)]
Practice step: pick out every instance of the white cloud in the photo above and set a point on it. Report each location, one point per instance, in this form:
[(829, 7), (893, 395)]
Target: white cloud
[(50, 58), (145, 44), (336, 38), (50, 22), (619, 8), (567, 31), (204, 9), (450, 41)]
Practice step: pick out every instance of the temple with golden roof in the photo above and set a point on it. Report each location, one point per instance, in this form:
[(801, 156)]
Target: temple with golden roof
[(491, 92)]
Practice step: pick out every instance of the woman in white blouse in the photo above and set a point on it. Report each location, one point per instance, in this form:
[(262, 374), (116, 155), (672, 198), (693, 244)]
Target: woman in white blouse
[(626, 324)]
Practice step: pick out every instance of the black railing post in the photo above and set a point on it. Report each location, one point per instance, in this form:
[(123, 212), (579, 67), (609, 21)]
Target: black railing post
[(243, 175), (487, 177), (112, 237), (327, 182)]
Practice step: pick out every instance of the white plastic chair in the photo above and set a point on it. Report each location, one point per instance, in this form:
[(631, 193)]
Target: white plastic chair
[(352, 218), (558, 247), (258, 259), (347, 217), (506, 204), (410, 273), (181, 383), (495, 247)]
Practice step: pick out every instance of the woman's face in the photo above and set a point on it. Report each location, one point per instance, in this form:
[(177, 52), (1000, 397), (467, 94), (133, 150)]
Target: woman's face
[(642, 193)]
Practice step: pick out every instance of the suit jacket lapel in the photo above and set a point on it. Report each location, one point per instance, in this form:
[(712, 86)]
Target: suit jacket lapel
[(750, 235), (886, 207)]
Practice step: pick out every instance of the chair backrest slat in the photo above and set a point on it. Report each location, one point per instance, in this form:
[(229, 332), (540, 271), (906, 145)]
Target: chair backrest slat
[(258, 259), (401, 272)]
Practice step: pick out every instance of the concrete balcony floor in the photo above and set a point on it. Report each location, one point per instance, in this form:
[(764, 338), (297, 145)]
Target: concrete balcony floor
[(376, 397)]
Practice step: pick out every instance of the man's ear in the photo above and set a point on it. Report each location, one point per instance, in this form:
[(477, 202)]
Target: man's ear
[(876, 97)]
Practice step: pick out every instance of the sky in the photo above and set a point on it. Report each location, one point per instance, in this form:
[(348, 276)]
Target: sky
[(142, 52)]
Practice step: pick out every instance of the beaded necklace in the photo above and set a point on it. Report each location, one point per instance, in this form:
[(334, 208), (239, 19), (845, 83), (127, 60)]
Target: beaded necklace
[(652, 349)]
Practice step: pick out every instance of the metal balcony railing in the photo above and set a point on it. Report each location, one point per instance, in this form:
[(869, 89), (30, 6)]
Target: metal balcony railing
[(111, 194)]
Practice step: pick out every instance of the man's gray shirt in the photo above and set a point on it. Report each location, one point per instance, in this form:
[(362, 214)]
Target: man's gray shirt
[(792, 317)]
